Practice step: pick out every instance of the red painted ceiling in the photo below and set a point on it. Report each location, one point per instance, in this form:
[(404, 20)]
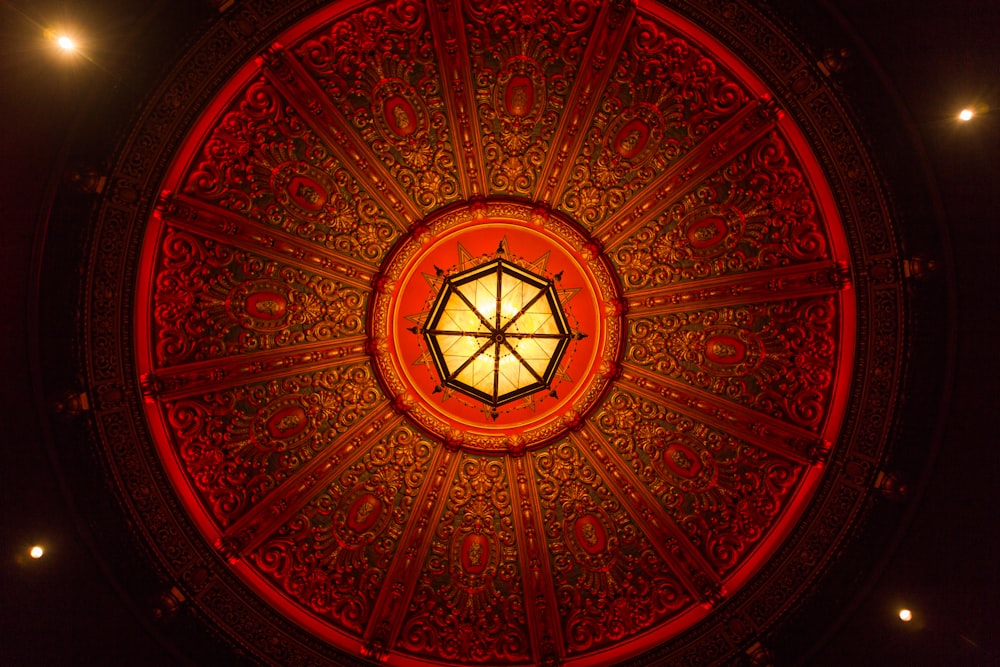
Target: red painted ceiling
[(697, 449)]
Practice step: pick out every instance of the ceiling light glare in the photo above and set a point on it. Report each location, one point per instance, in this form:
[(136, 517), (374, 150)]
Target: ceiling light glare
[(66, 43), (905, 615), (36, 552), (966, 115)]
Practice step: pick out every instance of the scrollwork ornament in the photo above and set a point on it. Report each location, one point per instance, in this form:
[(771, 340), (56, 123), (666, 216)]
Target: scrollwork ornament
[(754, 214), (723, 492), (238, 445), (263, 163), (213, 301), (379, 70), (610, 582), (664, 98), (467, 603), (777, 357), (333, 554)]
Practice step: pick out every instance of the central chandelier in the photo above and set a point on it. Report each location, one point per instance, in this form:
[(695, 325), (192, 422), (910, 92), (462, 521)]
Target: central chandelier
[(497, 333)]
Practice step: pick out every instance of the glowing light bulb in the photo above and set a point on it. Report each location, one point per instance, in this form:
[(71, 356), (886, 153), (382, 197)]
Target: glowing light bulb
[(966, 115), (66, 43), (36, 552), (905, 615), (487, 308)]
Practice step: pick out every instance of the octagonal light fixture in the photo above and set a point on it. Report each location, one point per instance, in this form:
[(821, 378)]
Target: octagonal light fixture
[(497, 332)]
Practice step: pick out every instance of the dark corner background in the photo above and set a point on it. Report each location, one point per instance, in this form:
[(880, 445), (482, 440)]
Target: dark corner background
[(910, 68)]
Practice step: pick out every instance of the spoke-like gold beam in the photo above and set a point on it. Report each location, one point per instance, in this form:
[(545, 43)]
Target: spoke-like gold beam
[(390, 609), (541, 603), (274, 510), (607, 41), (766, 432), (229, 228), (185, 380), (449, 31), (787, 282)]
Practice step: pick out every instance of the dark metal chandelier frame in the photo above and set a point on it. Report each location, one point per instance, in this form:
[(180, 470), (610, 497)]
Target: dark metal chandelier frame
[(496, 338)]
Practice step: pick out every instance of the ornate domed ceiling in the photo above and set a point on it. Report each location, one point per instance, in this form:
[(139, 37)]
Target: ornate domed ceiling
[(494, 333)]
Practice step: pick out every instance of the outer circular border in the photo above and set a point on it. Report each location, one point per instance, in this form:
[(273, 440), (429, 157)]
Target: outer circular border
[(381, 326), (216, 593)]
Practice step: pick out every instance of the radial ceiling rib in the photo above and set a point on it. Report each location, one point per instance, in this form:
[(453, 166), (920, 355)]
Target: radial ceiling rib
[(309, 100), (595, 69), (224, 227), (699, 577), (267, 516), (189, 379), (766, 432), (390, 610), (450, 38), (787, 282), (750, 123), (539, 594)]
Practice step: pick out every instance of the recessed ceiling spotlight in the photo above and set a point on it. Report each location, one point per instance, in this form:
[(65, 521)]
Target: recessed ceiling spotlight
[(905, 615), (966, 115), (36, 552), (66, 43)]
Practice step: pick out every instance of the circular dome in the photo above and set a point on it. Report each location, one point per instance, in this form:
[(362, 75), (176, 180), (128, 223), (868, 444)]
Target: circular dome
[(466, 335)]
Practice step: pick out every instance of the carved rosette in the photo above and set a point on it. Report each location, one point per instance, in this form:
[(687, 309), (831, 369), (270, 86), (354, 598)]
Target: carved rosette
[(270, 411)]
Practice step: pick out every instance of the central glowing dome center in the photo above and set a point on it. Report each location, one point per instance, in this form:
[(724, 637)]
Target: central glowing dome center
[(497, 332), (496, 326)]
